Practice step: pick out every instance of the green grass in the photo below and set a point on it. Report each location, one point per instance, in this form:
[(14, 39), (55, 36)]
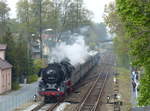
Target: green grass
[(125, 87)]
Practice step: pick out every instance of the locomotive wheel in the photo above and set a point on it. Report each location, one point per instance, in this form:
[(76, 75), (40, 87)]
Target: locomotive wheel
[(45, 99), (61, 98)]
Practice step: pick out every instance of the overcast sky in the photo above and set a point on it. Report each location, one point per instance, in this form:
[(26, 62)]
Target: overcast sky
[(96, 6)]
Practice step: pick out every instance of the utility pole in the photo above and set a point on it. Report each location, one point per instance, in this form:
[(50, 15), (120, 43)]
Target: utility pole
[(40, 29), (28, 40), (77, 13)]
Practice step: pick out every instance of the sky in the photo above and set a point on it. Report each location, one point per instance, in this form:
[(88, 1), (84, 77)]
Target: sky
[(96, 6)]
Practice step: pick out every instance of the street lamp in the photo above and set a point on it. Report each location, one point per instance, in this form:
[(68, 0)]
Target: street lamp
[(33, 35)]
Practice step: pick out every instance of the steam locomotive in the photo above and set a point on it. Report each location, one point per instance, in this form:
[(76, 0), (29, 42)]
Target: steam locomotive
[(58, 78)]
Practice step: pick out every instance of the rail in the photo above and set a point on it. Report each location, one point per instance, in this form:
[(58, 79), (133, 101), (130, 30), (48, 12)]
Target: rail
[(53, 107), (100, 94), (86, 105), (45, 107)]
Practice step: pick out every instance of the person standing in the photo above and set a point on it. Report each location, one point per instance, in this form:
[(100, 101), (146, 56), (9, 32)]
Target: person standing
[(134, 85)]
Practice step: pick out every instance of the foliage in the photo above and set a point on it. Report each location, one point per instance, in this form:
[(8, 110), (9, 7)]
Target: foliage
[(58, 15), (3, 17), (15, 86), (13, 26), (116, 27), (38, 64), (16, 54), (96, 34), (144, 98), (135, 16), (10, 52), (32, 78)]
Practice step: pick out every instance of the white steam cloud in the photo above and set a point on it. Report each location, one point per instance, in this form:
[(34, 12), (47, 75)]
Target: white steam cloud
[(77, 52)]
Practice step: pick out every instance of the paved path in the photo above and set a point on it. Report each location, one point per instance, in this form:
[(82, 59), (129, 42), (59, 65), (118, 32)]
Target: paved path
[(134, 94), (13, 99)]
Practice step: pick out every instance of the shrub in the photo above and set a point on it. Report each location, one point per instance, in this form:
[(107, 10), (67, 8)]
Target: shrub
[(32, 78), (15, 86), (38, 64)]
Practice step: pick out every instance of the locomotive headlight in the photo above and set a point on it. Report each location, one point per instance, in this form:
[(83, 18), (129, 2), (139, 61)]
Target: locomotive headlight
[(58, 89)]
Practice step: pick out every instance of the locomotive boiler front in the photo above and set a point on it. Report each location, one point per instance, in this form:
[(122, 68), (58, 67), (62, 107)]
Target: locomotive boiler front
[(53, 74)]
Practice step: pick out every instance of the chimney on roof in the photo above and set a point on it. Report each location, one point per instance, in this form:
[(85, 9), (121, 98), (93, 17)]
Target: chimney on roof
[(2, 51)]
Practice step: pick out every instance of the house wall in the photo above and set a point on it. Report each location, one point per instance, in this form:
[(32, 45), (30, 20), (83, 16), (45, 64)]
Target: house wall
[(2, 54), (5, 80)]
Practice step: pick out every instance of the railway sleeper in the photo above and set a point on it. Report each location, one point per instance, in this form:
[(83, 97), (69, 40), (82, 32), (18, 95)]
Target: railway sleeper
[(87, 107), (95, 95), (116, 90), (98, 87), (72, 102), (89, 104)]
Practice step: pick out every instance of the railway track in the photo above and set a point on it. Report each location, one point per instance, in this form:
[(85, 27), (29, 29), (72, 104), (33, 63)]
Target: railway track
[(92, 98), (45, 107), (52, 107)]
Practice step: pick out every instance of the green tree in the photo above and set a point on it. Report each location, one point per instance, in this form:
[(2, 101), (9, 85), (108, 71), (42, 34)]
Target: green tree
[(16, 54), (24, 16), (10, 52), (76, 15), (117, 29), (38, 64), (3, 18), (135, 15), (60, 15), (95, 34)]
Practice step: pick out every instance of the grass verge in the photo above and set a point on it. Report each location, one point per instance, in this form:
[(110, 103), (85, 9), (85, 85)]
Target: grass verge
[(125, 88)]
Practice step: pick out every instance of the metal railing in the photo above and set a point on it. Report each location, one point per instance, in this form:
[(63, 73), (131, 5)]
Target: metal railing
[(10, 103)]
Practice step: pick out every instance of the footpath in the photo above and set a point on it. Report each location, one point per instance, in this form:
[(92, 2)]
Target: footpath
[(14, 99), (134, 91)]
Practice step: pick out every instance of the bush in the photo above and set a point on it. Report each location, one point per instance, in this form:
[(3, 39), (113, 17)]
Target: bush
[(15, 86), (32, 78), (38, 64)]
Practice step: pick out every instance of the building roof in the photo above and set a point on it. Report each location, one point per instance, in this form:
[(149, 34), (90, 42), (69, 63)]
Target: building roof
[(4, 64), (3, 46)]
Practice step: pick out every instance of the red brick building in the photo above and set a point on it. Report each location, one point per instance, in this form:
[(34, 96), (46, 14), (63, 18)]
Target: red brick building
[(5, 71)]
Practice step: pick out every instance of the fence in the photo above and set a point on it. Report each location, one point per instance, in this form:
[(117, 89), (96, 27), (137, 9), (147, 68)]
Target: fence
[(9, 103)]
